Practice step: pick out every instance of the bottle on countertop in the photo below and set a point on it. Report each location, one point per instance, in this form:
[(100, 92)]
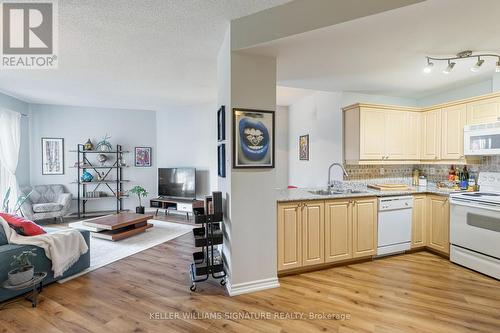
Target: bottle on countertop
[(464, 178), (451, 173)]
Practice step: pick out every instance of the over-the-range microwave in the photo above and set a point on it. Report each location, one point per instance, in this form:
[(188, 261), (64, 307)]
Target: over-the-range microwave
[(482, 139)]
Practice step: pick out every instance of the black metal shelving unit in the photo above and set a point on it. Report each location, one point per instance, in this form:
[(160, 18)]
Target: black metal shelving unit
[(84, 164), (209, 261)]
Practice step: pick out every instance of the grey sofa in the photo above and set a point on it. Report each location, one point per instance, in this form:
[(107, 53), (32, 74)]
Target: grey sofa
[(41, 263), (46, 201)]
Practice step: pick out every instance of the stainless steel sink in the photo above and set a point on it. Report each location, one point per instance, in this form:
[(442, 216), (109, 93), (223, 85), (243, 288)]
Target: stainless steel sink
[(333, 192), (325, 192)]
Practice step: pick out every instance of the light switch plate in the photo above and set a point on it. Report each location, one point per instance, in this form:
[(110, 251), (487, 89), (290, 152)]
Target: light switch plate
[(432, 171), (382, 171)]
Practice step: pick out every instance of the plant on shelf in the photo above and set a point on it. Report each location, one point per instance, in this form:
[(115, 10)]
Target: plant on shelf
[(140, 192), (24, 270)]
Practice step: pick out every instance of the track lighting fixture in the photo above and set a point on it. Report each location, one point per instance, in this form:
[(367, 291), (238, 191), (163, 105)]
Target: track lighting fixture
[(448, 69), (461, 56), (428, 67), (478, 65)]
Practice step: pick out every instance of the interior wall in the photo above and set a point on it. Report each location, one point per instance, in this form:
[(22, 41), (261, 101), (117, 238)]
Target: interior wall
[(282, 148), (320, 116), (23, 165), (471, 90), (130, 128), (186, 137)]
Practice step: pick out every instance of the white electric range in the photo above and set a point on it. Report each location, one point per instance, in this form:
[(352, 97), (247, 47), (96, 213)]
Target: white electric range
[(475, 226)]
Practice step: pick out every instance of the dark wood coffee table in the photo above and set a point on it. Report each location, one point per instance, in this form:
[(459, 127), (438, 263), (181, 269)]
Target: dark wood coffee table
[(119, 226)]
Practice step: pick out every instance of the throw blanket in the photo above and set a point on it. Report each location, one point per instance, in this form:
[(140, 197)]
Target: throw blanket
[(63, 247)]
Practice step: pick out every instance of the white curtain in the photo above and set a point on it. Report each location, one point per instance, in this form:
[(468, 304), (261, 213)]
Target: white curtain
[(10, 137)]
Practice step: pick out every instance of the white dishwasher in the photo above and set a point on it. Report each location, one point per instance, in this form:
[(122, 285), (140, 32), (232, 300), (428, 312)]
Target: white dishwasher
[(394, 224)]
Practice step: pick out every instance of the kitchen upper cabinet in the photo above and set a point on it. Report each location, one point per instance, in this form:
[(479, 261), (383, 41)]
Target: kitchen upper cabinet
[(372, 138), (431, 135), (313, 232), (289, 236), (396, 123), (483, 111), (372, 134), (364, 227), (338, 230), (438, 224), (418, 229), (412, 134), (453, 122)]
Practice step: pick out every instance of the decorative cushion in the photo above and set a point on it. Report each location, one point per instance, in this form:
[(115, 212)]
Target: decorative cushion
[(47, 207), (43, 193), (22, 226)]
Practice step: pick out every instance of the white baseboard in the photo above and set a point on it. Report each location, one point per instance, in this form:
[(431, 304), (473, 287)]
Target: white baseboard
[(252, 286)]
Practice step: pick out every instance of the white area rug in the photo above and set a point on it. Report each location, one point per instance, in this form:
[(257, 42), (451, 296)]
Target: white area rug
[(104, 252)]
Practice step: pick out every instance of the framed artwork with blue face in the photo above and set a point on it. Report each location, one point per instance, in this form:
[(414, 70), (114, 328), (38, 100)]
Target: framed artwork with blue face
[(253, 139)]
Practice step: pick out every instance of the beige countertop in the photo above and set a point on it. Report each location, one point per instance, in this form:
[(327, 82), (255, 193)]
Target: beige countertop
[(301, 194)]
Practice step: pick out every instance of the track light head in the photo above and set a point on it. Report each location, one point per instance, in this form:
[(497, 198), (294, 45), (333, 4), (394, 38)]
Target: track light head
[(428, 67), (448, 69), (478, 65)]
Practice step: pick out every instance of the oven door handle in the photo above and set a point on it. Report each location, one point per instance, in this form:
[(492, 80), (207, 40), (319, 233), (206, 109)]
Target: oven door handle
[(482, 205)]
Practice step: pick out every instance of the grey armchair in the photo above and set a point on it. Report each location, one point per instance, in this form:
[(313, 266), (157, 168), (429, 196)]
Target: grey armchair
[(46, 201)]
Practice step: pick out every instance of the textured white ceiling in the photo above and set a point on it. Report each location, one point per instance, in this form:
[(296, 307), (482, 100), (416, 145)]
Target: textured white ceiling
[(385, 53), (148, 54)]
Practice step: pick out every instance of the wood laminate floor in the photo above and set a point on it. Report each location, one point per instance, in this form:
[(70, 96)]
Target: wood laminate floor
[(417, 292)]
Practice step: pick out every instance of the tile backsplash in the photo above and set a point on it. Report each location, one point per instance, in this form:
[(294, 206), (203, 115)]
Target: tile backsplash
[(433, 172)]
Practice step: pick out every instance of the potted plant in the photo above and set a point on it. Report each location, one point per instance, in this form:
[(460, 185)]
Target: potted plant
[(24, 270), (140, 192)]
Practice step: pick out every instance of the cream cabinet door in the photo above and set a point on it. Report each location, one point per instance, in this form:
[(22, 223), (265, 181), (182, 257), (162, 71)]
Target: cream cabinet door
[(313, 233), (372, 138), (289, 236), (431, 135), (338, 230), (453, 122), (395, 134), (438, 224), (412, 135), (484, 111), (364, 227), (418, 229)]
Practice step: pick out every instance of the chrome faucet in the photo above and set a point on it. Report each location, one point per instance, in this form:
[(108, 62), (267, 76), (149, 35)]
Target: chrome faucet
[(330, 172)]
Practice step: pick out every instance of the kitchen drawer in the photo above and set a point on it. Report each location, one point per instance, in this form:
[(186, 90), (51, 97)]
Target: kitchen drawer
[(182, 207)]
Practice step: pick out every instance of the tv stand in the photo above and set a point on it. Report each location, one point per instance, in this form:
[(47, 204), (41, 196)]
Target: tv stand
[(187, 206)]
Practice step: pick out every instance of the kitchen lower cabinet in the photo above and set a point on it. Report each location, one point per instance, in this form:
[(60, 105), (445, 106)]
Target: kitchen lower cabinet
[(418, 229), (313, 241), (338, 230), (289, 236), (438, 225), (364, 227), (317, 232)]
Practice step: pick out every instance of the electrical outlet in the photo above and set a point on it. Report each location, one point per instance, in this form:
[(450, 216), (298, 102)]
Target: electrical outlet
[(382, 171), (432, 171)]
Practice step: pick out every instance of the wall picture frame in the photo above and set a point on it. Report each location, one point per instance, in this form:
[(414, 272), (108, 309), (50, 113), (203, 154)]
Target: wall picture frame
[(253, 138), (304, 147), (221, 124), (52, 156), (142, 157), (221, 160)]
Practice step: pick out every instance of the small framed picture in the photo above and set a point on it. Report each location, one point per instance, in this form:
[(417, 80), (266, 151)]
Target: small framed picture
[(52, 156), (143, 156), (253, 139), (221, 160), (221, 124), (304, 147)]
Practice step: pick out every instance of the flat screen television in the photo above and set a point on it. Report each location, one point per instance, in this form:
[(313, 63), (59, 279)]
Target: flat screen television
[(177, 182)]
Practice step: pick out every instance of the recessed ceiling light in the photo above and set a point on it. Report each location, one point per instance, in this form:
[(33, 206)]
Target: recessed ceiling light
[(478, 65), (448, 69)]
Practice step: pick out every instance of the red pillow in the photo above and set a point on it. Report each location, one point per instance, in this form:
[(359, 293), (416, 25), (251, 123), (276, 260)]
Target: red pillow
[(22, 226)]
